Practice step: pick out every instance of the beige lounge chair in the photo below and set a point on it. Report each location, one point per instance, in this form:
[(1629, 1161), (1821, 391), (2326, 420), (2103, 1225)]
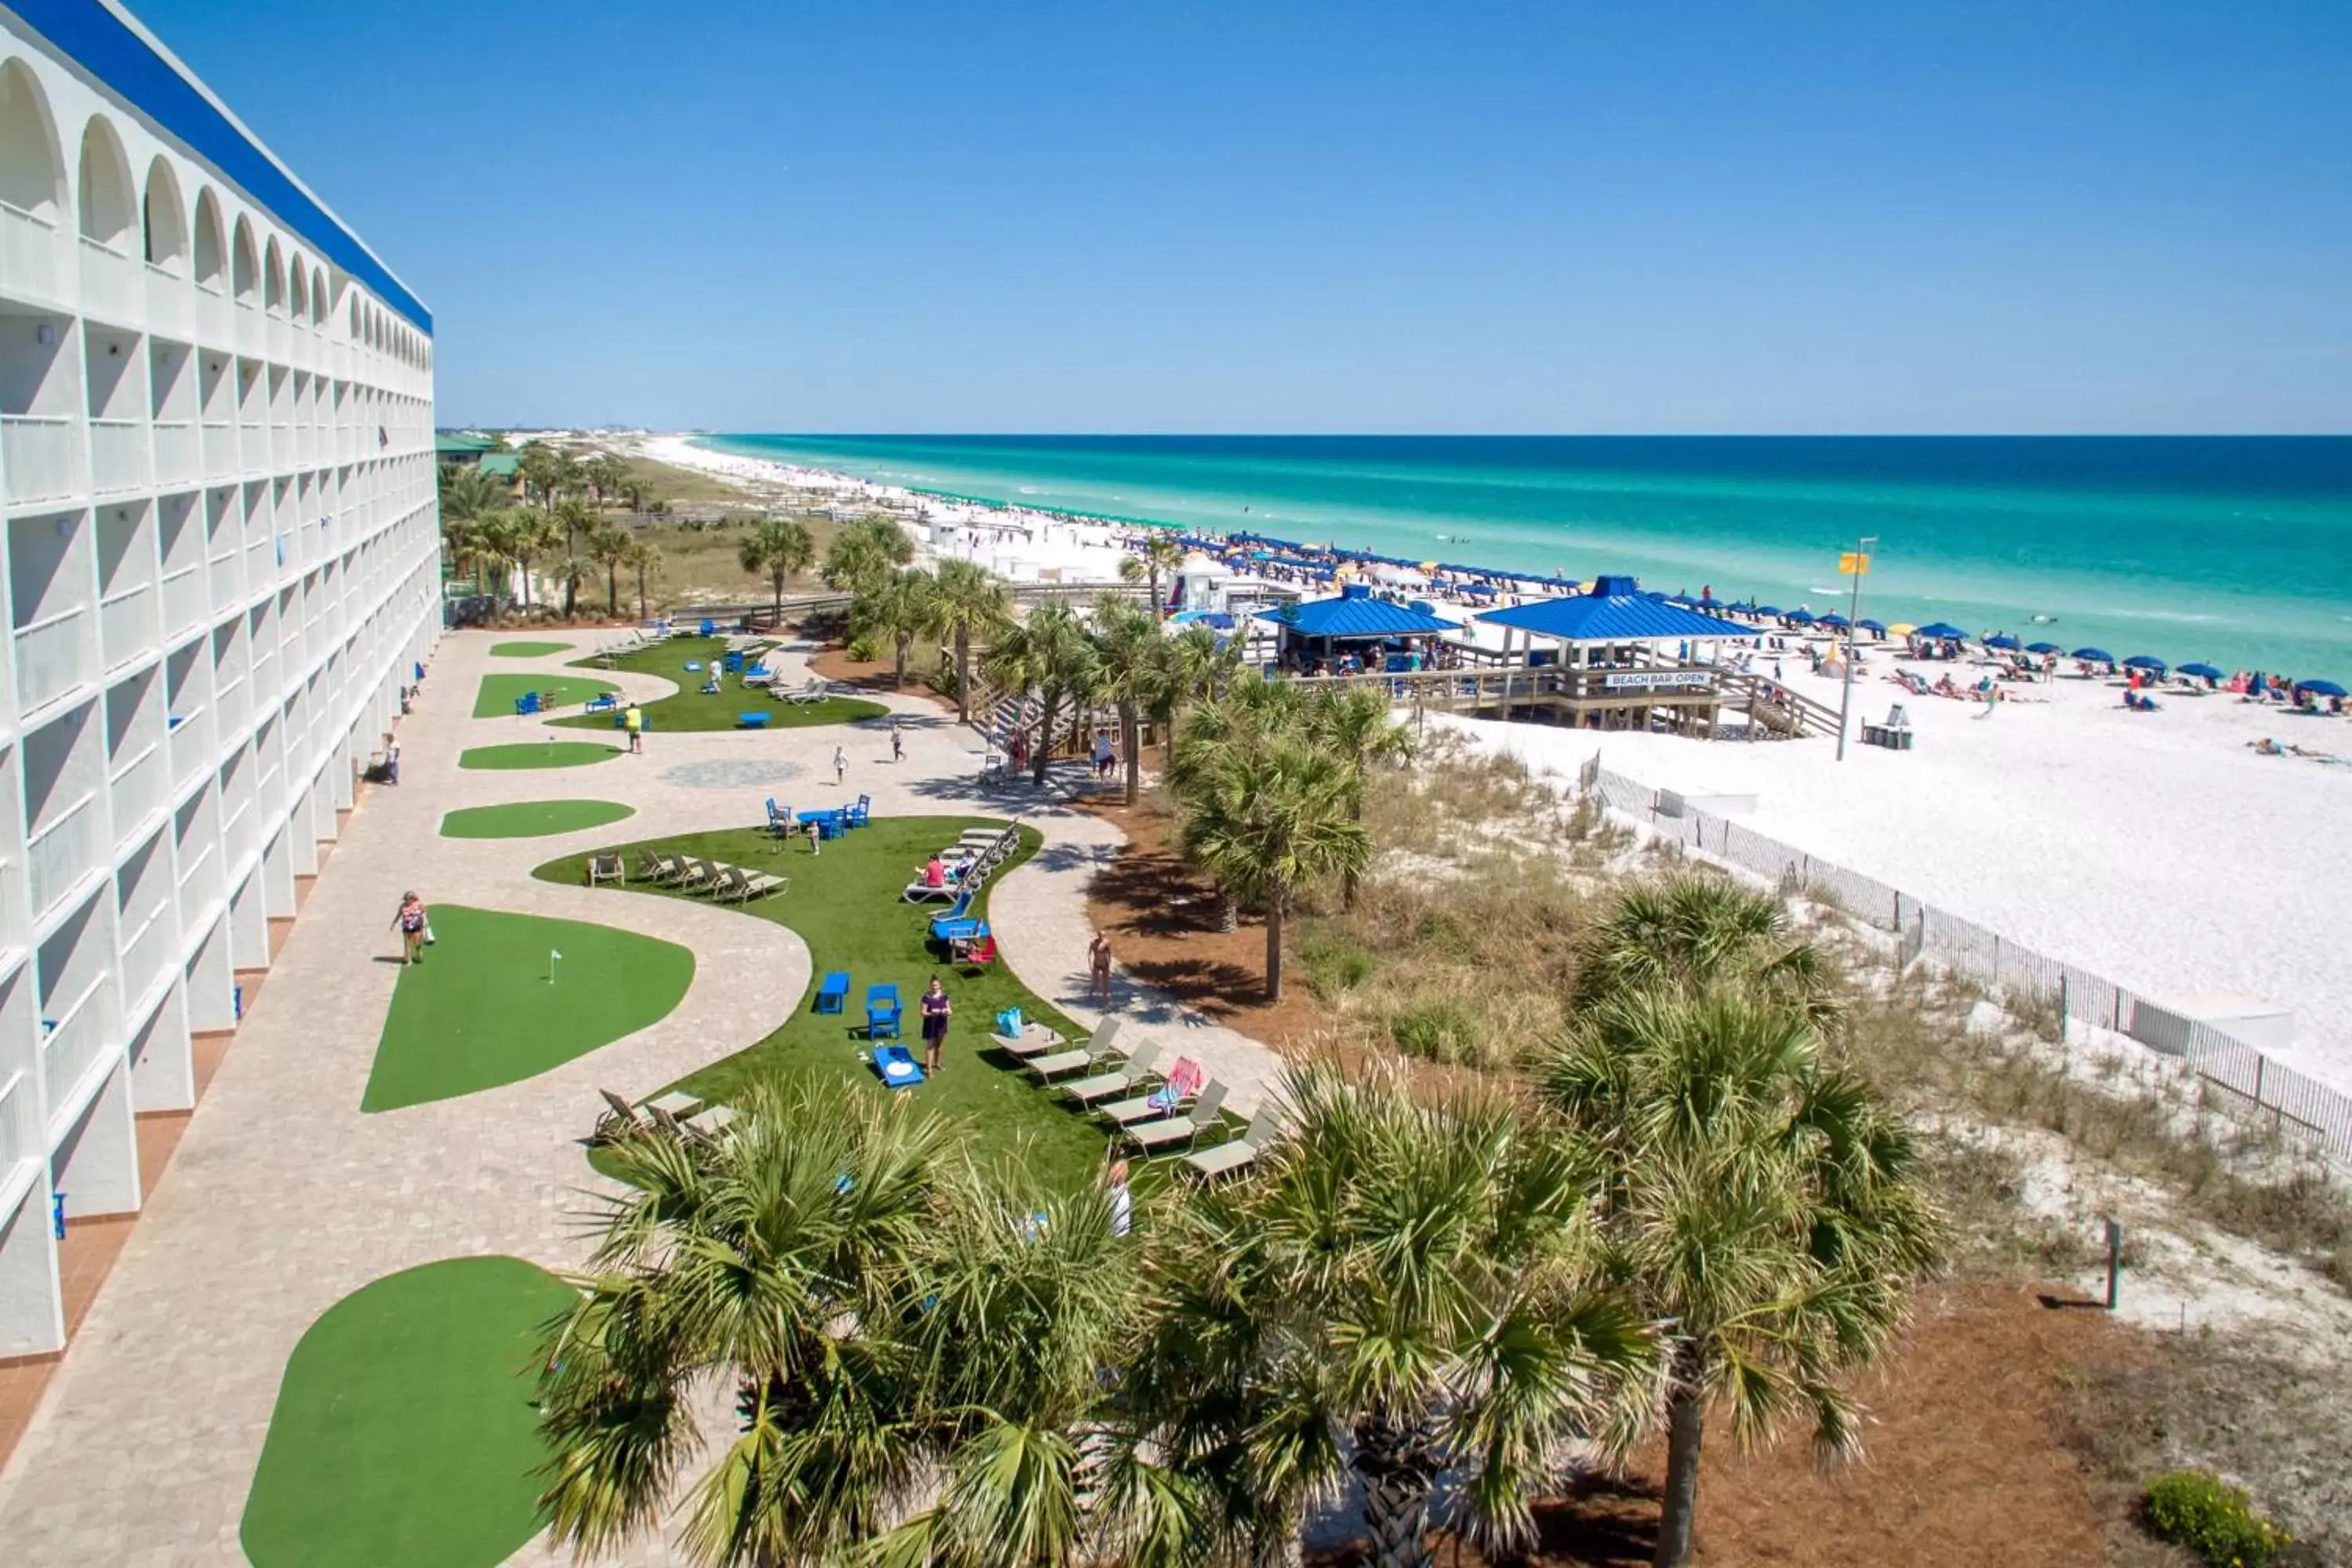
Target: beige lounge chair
[(696, 874), (1099, 1046), (1236, 1154), (742, 886), (607, 868), (1162, 1136), (654, 867), (1129, 1074)]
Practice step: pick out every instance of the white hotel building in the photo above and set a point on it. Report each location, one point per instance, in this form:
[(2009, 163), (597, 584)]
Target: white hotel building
[(222, 560)]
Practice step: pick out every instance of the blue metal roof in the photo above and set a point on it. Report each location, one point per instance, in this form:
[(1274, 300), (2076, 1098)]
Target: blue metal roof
[(1355, 614), (1615, 611)]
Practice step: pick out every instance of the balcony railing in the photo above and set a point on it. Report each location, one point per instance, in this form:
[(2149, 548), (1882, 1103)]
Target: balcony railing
[(252, 447), (118, 455), (145, 952), (179, 458), (52, 658), (227, 582), (20, 1122), (249, 339), (186, 600), (73, 1041), (62, 852), (167, 301), (200, 869), (110, 283), (213, 319), (190, 744), (220, 449), (139, 788), (238, 831), (126, 624), (42, 453), (28, 252)]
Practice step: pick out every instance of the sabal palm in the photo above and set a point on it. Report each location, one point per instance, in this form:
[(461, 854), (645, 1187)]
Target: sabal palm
[(1133, 664), (1354, 723), (777, 548), (1762, 1207), (577, 517), (1050, 654), (530, 533), (609, 547), (1159, 557), (644, 558), (469, 495), (1694, 932), (898, 608), (883, 1319), (1409, 1288), (1266, 820), (968, 604), (865, 553)]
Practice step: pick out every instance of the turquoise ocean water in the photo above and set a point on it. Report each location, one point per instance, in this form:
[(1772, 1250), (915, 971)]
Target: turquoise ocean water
[(2233, 550)]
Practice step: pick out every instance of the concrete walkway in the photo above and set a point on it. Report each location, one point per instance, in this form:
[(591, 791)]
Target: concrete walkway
[(283, 1198)]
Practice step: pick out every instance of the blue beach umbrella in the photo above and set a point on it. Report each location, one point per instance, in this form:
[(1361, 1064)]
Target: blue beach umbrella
[(1833, 619), (1800, 617), (2145, 661), (2003, 641), (2201, 671), (2043, 647), (1943, 631), (1870, 625), (2093, 656), (1768, 609), (2320, 688)]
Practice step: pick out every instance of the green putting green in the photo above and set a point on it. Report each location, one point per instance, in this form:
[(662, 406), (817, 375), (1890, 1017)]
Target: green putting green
[(846, 904), (537, 755), (403, 1430), (501, 692), (480, 1011), (692, 709), (529, 650), (531, 818)]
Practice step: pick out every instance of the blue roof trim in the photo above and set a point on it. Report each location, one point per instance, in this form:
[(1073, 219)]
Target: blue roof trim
[(1605, 617), (94, 37)]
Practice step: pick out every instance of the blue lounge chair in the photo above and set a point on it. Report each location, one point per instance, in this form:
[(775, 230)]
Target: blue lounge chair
[(896, 1066), (603, 702), (833, 996), (962, 931), (734, 663), (881, 1012), (955, 911)]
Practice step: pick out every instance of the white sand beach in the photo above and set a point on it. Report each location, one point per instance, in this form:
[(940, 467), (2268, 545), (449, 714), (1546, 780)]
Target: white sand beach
[(2157, 849)]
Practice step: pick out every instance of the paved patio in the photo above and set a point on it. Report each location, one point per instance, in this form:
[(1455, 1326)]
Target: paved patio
[(282, 1198)]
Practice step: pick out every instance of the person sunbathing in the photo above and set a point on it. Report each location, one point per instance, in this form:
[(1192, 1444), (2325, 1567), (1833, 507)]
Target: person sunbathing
[(1946, 687), (2266, 747)]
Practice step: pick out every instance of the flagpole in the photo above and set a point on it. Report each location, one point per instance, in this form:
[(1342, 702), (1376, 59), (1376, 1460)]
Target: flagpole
[(1845, 698)]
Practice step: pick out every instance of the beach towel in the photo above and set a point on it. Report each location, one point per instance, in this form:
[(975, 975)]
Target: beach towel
[(1184, 1081)]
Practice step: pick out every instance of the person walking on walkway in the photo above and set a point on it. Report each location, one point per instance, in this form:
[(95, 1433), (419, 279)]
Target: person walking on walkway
[(936, 1009), (635, 721), (840, 766), (898, 743), (411, 922), (1099, 970)]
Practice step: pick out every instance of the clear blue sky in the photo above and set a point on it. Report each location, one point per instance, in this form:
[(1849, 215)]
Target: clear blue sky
[(1294, 217)]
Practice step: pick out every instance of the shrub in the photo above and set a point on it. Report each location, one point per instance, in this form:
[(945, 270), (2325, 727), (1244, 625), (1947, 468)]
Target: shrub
[(2198, 1510), (1335, 961), (1439, 1030), (865, 650)]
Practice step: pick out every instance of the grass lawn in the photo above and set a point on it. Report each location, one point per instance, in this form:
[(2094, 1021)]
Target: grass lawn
[(844, 904), (479, 1012), (499, 692), (403, 1430), (531, 818), (690, 709), (528, 649), (536, 754)]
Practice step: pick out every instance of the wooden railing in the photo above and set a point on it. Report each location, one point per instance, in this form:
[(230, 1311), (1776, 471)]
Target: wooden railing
[(1502, 688)]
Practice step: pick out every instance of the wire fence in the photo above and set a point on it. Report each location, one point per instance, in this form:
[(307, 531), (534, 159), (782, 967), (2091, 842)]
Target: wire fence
[(2025, 978)]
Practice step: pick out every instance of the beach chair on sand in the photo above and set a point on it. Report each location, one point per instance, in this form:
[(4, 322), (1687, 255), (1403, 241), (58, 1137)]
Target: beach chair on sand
[(1163, 1136), (607, 868), (1238, 1154), (1130, 1074)]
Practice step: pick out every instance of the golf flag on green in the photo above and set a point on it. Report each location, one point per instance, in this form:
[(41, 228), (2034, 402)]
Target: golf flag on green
[(552, 955)]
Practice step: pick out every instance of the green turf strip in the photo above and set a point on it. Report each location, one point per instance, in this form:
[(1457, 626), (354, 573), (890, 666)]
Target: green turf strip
[(404, 1431), (531, 818), (846, 905), (529, 650), (537, 755), (499, 692), (690, 709), (479, 1011)]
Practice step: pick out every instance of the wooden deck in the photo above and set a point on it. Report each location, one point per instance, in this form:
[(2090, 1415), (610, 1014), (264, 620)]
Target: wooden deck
[(1692, 699)]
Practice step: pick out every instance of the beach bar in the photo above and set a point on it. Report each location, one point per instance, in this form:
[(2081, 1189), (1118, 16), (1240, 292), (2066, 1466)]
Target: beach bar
[(1620, 660), (1353, 631)]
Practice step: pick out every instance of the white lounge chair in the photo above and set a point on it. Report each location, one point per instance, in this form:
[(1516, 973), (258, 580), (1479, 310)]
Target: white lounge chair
[(1161, 1137), (1237, 1153), (1129, 1074), (744, 886)]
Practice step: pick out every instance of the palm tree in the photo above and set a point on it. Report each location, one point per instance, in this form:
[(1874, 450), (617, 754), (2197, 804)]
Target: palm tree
[(1161, 556), (913, 1350), (606, 474), (967, 601), (779, 547), (576, 517), (866, 552), (1765, 1209), (572, 569), (540, 467), (897, 608), (1049, 654), (531, 533), (1268, 818), (1134, 667), (644, 558), (1407, 1288), (609, 547), (1251, 712), (469, 495), (1354, 724), (1696, 932)]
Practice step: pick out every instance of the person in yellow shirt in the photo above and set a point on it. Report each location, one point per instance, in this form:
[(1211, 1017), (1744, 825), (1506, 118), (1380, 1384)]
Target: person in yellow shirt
[(634, 722)]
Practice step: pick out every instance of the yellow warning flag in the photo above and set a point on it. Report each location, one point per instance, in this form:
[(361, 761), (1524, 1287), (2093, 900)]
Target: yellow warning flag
[(1854, 563)]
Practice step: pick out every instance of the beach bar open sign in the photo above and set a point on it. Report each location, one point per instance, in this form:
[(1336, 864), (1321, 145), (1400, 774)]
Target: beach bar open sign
[(1657, 680)]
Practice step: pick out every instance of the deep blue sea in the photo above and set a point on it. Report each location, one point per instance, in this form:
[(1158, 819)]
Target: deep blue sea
[(2237, 550)]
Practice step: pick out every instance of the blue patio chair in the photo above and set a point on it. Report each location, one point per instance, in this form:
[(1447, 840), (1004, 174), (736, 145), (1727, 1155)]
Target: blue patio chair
[(734, 663), (882, 1012), (862, 813), (709, 629), (779, 817), (527, 703)]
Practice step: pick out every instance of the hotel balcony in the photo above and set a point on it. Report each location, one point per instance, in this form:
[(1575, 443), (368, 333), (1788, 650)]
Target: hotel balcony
[(118, 457), (28, 253), (168, 310), (63, 852), (53, 658), (179, 458), (110, 284), (43, 455)]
